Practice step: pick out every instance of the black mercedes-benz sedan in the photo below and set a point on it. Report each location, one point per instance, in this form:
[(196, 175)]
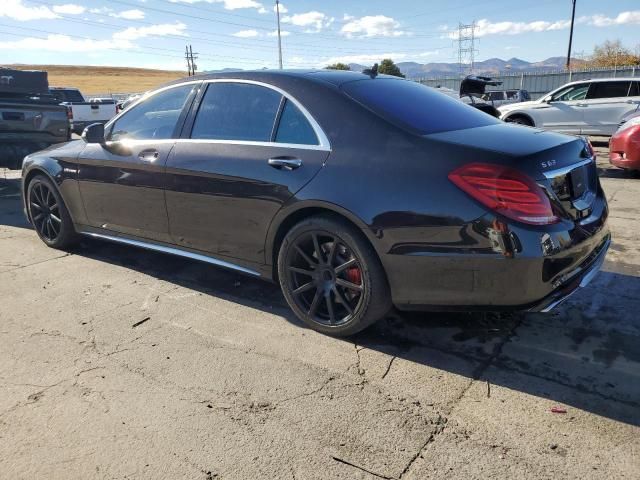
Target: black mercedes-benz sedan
[(355, 192)]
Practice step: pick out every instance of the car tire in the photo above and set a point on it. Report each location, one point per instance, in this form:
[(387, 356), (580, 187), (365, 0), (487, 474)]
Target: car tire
[(519, 120), (49, 215), (331, 276)]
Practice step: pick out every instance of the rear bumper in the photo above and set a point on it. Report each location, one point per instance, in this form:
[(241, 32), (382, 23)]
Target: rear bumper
[(543, 269), (624, 149)]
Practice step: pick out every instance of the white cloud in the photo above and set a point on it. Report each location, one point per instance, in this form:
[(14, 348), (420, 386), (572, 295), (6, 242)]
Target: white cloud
[(283, 9), (372, 26), (283, 33), (314, 20), (69, 9), (160, 30), (228, 4), (134, 14), (63, 43), (624, 18), (15, 10), (485, 27), (246, 34), (101, 10)]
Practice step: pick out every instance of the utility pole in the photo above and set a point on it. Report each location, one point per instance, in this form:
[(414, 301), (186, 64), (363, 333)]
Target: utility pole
[(194, 66), (466, 46), (190, 58), (279, 38), (573, 17)]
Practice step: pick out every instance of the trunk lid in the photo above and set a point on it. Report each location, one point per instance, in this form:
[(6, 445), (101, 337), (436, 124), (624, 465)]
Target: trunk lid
[(561, 164)]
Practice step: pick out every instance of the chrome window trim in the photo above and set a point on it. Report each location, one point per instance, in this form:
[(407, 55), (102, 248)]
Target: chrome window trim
[(324, 144), (172, 251), (144, 97)]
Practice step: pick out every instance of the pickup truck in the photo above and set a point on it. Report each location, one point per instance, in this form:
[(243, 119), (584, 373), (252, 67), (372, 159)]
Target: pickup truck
[(30, 118), (84, 113)]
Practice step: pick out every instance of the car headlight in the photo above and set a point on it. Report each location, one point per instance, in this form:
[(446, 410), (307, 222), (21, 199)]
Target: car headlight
[(632, 122)]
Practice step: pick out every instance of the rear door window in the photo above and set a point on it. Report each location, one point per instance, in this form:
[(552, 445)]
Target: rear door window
[(608, 90), (236, 111), (634, 91), (294, 127), (416, 107), (573, 92)]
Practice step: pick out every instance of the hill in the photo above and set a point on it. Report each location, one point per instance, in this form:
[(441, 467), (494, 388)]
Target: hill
[(491, 66), (92, 80)]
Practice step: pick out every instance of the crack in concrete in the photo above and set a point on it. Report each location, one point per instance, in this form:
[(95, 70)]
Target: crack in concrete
[(370, 472), (36, 263), (386, 372)]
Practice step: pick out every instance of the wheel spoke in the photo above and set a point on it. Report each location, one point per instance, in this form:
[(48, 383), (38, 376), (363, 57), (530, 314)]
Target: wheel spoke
[(345, 265), (38, 217), (36, 194), (332, 253), (343, 300), (316, 246), (332, 316), (304, 288), (306, 257), (314, 303), (54, 228), (301, 271), (346, 284), (35, 205), (54, 206), (47, 226), (48, 192), (55, 218)]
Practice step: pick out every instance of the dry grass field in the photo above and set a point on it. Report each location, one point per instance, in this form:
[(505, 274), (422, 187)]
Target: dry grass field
[(92, 80)]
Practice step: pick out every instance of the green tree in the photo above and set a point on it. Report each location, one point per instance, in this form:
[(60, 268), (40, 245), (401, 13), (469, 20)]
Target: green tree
[(612, 53), (387, 67), (338, 66)]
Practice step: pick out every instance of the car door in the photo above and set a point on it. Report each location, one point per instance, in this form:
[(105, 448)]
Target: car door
[(605, 105), (121, 181), (247, 148), (564, 110)]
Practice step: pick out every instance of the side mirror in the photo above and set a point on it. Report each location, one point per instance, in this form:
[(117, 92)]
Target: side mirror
[(94, 133), (547, 100)]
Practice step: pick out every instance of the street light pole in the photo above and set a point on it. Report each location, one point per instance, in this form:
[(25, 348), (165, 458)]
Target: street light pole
[(279, 39), (573, 17)]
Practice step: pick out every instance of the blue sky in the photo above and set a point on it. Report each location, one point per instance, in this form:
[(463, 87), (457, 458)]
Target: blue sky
[(241, 33)]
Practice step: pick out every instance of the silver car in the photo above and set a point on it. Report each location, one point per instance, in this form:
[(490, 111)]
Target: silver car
[(587, 107)]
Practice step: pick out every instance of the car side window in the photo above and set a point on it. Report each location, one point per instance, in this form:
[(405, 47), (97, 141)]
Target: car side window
[(294, 127), (634, 91), (236, 111), (574, 92), (608, 90), (154, 118)]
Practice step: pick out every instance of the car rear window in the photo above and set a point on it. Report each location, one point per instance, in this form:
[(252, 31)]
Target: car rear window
[(416, 107)]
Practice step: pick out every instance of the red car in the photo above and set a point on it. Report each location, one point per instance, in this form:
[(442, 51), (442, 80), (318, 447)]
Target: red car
[(624, 148)]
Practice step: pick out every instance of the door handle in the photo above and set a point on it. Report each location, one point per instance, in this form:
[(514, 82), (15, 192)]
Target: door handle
[(149, 155), (285, 163)]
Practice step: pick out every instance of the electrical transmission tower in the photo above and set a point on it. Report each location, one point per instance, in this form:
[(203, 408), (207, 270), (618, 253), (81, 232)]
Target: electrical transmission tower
[(466, 47), (191, 58)]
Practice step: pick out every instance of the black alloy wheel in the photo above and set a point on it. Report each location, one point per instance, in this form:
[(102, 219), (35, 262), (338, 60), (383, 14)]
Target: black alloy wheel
[(327, 273), (48, 214)]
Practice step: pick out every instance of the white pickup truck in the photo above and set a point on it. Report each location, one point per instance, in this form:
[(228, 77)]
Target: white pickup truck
[(83, 113)]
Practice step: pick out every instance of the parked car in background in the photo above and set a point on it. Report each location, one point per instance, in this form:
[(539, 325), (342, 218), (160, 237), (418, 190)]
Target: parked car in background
[(127, 102), (504, 97), (587, 107), (355, 192), (30, 118), (624, 147), (84, 112)]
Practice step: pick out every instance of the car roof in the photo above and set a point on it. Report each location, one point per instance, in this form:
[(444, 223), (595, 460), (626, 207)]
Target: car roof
[(335, 77), (612, 79)]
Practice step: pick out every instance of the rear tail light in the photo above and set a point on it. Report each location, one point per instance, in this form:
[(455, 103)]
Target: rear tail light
[(506, 191)]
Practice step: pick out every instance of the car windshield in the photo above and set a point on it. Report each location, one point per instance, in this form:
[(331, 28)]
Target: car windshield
[(416, 107)]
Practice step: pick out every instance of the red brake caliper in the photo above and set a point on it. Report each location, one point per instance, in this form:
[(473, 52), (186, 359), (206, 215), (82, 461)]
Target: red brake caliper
[(354, 275)]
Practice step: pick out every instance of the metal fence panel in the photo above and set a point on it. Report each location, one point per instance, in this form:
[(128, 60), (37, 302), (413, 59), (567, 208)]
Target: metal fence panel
[(539, 83)]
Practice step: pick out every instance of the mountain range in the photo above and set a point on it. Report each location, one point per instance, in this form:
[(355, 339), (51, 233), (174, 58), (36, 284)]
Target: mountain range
[(491, 66)]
